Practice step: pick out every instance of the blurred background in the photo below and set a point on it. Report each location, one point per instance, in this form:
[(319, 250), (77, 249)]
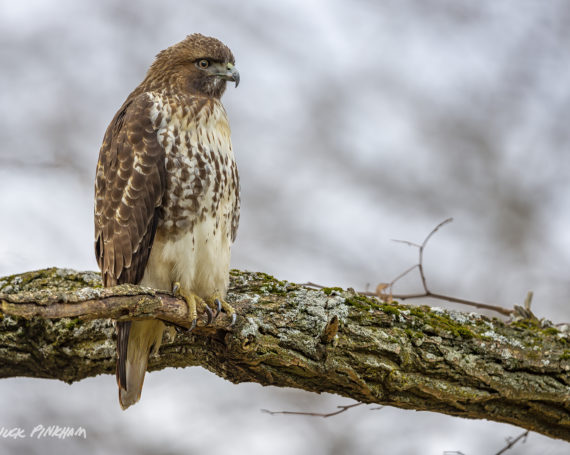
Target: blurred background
[(354, 123)]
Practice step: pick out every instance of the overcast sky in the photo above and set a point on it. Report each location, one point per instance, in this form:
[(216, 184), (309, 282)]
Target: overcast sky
[(354, 123)]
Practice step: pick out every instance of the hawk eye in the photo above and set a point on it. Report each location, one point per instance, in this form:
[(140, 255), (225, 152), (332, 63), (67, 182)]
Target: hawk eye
[(203, 63)]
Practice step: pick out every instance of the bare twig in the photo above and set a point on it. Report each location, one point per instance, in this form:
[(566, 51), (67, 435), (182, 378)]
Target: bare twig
[(341, 409), (424, 243), (402, 275), (388, 296), (407, 242), (512, 442), (448, 298)]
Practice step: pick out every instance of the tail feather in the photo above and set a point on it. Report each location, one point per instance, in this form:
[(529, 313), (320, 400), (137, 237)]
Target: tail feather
[(133, 355), (123, 330)]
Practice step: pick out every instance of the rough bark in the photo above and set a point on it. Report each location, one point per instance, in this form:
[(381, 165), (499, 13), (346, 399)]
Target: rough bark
[(286, 335)]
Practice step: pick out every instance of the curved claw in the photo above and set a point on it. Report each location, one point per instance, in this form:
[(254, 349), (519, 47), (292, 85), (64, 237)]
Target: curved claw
[(219, 306), (193, 326), (210, 315), (180, 329), (233, 321)]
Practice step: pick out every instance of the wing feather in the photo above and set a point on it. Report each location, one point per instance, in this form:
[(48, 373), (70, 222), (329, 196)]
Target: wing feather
[(129, 190), (128, 196)]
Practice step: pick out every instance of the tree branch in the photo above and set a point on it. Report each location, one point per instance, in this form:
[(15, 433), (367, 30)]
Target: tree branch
[(52, 325)]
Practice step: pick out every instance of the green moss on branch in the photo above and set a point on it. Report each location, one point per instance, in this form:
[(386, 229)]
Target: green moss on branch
[(326, 340)]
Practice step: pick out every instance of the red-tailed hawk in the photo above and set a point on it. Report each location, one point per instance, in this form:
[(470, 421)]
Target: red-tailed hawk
[(167, 194)]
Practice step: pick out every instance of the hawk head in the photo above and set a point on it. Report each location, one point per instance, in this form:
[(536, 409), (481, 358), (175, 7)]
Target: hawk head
[(199, 65)]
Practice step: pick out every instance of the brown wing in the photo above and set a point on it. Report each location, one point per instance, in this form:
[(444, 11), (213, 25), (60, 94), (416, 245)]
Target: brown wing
[(129, 189), (236, 207)]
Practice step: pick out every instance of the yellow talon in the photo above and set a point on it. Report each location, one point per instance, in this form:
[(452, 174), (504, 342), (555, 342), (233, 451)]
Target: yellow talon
[(192, 301), (217, 302), (195, 302)]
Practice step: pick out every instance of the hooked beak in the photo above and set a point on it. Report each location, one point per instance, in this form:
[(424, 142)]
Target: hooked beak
[(231, 74), (228, 73)]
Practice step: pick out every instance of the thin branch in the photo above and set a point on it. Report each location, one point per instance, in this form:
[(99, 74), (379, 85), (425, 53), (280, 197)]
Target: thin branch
[(448, 298), (407, 242), (428, 293), (388, 296), (402, 275), (435, 229), (483, 306), (424, 243), (317, 414), (511, 443)]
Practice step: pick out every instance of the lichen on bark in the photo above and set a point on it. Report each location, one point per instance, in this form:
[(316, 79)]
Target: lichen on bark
[(329, 340)]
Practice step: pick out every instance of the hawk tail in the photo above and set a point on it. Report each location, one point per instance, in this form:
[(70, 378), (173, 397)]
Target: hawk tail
[(134, 342), (123, 330)]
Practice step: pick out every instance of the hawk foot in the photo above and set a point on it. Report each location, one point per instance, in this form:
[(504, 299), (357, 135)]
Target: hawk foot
[(220, 305), (194, 303)]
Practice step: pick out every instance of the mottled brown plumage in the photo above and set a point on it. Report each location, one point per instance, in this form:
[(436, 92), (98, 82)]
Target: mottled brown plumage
[(167, 191)]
